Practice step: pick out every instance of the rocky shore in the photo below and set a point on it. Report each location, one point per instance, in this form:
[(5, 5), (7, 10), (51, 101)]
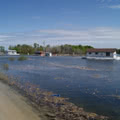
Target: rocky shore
[(53, 106)]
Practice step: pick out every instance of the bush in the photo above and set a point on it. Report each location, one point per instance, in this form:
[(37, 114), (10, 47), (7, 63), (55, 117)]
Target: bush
[(5, 66), (21, 58), (11, 58)]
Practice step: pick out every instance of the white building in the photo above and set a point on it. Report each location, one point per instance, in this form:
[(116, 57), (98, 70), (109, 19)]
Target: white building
[(11, 52), (102, 54)]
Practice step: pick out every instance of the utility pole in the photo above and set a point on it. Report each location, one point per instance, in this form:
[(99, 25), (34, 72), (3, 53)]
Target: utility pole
[(44, 46)]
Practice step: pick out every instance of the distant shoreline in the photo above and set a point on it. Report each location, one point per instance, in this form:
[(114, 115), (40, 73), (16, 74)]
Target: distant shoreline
[(39, 55)]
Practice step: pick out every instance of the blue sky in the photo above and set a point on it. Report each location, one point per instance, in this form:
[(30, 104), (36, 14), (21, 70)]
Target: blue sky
[(86, 22)]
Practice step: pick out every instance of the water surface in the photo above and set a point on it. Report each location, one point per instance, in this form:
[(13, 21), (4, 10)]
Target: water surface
[(91, 84)]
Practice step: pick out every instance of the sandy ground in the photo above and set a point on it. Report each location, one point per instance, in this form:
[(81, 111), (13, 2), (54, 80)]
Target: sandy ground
[(14, 107)]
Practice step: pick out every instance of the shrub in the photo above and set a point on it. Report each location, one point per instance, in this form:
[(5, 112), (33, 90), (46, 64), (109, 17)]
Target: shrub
[(21, 58)]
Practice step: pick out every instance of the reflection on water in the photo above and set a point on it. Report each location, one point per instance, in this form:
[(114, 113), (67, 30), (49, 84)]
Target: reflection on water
[(92, 84)]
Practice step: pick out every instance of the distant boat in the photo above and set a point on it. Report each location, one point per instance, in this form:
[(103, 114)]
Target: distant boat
[(11, 52)]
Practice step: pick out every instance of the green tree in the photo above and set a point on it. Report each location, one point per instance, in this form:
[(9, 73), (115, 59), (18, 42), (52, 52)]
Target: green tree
[(2, 49), (36, 45)]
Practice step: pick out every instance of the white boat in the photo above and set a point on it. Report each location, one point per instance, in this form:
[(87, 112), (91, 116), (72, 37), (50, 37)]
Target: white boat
[(102, 58)]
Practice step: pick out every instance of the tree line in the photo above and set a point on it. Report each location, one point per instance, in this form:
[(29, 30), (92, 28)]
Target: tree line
[(118, 51), (60, 49)]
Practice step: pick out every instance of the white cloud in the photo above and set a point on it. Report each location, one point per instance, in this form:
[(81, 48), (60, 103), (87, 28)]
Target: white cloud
[(114, 6), (102, 1), (98, 37), (64, 32), (5, 36)]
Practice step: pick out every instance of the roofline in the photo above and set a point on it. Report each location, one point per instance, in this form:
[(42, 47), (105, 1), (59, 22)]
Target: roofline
[(102, 50)]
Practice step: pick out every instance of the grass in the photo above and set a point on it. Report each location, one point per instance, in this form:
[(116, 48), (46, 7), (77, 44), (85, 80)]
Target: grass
[(22, 58)]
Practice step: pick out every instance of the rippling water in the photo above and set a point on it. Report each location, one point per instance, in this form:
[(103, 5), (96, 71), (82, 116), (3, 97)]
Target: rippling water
[(91, 84)]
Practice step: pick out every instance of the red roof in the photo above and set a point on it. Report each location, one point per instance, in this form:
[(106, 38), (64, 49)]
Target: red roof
[(101, 50)]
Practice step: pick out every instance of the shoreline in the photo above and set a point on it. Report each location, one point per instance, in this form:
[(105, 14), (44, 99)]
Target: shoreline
[(49, 106)]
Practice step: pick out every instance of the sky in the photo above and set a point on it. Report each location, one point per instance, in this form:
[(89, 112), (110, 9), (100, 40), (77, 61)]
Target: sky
[(85, 22)]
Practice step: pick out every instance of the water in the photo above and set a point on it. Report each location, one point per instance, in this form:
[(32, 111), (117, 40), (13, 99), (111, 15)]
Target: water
[(91, 84)]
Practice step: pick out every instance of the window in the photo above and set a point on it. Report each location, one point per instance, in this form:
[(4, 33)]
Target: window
[(107, 53), (96, 53), (89, 52)]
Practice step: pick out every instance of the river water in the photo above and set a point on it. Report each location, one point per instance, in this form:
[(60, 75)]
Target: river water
[(91, 84)]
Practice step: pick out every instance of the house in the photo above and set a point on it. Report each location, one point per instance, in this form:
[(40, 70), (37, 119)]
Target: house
[(11, 52), (105, 53), (40, 53)]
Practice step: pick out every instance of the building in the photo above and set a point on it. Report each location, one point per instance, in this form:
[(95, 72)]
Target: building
[(11, 52), (48, 54), (40, 53), (101, 53)]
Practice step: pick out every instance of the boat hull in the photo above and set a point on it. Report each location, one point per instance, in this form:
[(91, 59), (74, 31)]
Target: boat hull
[(101, 58)]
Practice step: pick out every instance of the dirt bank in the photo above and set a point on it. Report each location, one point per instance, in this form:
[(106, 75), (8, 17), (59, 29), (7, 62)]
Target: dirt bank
[(13, 106)]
